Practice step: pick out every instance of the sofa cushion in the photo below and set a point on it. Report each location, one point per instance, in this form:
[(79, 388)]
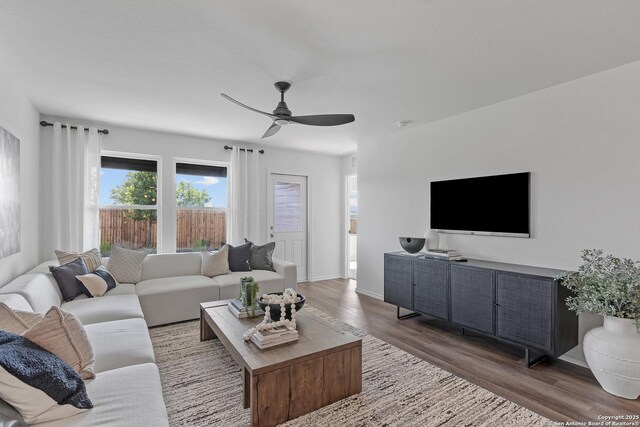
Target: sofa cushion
[(95, 310), (174, 299), (129, 396), (66, 275), (91, 258), (120, 343), (17, 321), (16, 302), (171, 265), (215, 263), (40, 290), (239, 257), (38, 384), (62, 334), (126, 264), (268, 281)]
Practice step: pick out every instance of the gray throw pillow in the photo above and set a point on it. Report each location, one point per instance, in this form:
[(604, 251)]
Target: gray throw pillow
[(125, 265), (239, 257), (66, 274), (261, 257)]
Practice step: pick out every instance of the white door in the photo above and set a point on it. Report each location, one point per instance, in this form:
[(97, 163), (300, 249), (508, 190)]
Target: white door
[(288, 219)]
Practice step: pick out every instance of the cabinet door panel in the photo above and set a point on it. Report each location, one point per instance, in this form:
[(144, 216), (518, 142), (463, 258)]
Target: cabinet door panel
[(430, 294), (398, 280), (525, 310), (472, 298)]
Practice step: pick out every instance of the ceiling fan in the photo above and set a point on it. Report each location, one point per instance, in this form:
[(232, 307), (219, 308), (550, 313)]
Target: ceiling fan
[(282, 115)]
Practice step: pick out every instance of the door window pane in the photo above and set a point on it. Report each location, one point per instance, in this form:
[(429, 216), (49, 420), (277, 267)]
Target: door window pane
[(201, 202), (287, 208)]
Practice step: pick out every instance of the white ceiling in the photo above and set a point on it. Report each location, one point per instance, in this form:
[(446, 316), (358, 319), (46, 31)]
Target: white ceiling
[(162, 64)]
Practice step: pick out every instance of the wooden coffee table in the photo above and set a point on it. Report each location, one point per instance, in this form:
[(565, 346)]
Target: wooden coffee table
[(286, 381)]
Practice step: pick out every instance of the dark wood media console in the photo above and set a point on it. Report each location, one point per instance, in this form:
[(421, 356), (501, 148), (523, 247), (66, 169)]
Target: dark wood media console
[(518, 304)]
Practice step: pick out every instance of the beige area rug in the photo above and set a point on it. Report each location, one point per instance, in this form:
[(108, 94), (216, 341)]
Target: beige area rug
[(203, 387)]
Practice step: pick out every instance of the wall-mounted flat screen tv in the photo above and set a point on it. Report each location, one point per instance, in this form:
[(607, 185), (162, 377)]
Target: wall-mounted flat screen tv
[(491, 205)]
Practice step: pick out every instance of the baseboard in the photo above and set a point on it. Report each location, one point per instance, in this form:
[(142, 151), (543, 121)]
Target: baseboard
[(369, 294), (317, 279)]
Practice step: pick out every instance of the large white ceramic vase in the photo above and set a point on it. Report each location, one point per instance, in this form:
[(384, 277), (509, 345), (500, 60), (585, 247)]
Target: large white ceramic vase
[(613, 354)]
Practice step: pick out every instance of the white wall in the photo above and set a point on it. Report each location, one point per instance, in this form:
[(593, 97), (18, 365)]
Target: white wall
[(579, 140), (19, 117), (324, 190)]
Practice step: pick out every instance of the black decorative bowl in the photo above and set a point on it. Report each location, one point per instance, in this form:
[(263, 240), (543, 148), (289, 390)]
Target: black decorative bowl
[(412, 245), (274, 309)]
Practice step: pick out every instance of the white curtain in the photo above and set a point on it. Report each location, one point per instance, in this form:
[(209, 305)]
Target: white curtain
[(245, 201), (75, 185)]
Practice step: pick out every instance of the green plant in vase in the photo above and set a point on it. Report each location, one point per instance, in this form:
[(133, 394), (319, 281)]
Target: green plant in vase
[(609, 286), (249, 290)]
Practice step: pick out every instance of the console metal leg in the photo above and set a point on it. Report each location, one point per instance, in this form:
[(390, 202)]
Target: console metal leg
[(405, 316), (529, 362)]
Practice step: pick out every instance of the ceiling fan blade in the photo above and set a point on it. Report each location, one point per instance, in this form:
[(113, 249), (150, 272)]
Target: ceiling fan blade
[(272, 130), (323, 119), (246, 106)]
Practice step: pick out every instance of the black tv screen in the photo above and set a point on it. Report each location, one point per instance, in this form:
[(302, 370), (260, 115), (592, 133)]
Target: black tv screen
[(496, 205)]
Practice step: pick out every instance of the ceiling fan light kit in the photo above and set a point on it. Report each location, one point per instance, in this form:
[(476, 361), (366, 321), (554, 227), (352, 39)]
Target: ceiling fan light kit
[(282, 115)]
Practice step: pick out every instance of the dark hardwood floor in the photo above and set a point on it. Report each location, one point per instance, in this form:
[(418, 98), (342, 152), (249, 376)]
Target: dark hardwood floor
[(556, 389)]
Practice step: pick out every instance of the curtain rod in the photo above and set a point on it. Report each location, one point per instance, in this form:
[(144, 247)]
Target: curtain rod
[(44, 124), (250, 150)]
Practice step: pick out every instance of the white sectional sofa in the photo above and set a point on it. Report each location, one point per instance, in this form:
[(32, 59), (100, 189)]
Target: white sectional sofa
[(127, 390)]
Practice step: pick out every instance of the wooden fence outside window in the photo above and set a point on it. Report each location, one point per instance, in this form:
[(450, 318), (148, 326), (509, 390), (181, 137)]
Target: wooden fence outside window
[(196, 229)]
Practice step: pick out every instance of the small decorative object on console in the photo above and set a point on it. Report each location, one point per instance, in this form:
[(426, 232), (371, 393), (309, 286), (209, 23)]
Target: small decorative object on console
[(433, 239), (448, 254), (269, 333), (412, 245), (610, 287)]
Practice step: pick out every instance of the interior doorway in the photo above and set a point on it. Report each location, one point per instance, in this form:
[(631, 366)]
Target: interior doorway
[(288, 220), (352, 227)]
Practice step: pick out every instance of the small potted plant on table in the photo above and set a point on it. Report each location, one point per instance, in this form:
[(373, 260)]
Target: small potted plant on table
[(249, 290)]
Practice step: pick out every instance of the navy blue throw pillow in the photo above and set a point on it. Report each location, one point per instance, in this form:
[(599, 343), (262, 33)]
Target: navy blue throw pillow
[(37, 368), (239, 257), (66, 274)]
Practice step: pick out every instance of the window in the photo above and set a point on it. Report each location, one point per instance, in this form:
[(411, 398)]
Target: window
[(201, 207), (128, 204)]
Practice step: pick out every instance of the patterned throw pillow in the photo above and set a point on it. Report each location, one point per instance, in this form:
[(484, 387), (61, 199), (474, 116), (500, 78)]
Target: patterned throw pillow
[(97, 283), (261, 256), (239, 257), (37, 383), (62, 334), (66, 274), (126, 264), (215, 263), (92, 258), (17, 321)]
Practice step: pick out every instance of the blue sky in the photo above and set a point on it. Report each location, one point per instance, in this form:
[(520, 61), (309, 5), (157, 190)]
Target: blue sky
[(215, 187)]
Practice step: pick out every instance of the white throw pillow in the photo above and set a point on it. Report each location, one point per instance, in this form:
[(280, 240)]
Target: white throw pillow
[(215, 263), (96, 284), (126, 264), (92, 258), (62, 334), (17, 321)]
